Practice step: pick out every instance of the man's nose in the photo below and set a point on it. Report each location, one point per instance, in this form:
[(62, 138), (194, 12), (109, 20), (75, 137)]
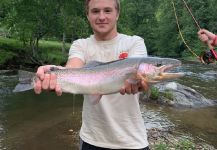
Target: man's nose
[(102, 15)]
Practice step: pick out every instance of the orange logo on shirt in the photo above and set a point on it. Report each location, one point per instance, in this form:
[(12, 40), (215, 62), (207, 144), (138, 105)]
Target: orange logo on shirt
[(123, 55)]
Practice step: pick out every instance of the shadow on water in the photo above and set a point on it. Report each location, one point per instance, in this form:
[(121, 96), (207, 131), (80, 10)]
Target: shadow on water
[(32, 122), (42, 122), (45, 121), (201, 123)]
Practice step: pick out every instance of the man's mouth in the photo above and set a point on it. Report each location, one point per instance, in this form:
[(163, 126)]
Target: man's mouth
[(101, 23)]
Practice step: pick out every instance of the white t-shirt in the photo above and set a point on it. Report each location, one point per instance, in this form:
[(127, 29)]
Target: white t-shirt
[(116, 121)]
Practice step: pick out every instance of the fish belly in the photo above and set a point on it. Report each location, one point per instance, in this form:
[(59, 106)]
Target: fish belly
[(108, 86)]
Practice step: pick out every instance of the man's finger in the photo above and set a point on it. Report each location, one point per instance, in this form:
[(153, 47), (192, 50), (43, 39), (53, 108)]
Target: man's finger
[(144, 85), (40, 73), (53, 81), (122, 91), (128, 87), (58, 90), (37, 86), (42, 70), (46, 82), (135, 88)]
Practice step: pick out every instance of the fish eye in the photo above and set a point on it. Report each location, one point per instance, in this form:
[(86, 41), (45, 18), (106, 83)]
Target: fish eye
[(158, 65)]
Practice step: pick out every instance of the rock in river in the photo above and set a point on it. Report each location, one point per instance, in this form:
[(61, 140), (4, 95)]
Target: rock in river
[(178, 95)]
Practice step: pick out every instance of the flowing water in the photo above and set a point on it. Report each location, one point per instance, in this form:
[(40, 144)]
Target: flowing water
[(45, 121)]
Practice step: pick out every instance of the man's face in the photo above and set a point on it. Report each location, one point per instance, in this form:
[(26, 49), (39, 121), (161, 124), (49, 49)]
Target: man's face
[(103, 16)]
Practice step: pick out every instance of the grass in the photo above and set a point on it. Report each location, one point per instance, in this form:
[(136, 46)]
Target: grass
[(49, 51), (168, 94), (55, 45), (6, 43), (154, 93), (10, 44), (161, 146), (186, 144), (182, 144)]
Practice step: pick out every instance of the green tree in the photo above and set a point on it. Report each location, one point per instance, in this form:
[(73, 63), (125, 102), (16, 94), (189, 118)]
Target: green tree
[(138, 17), (33, 20), (30, 21), (168, 41), (166, 37), (154, 20)]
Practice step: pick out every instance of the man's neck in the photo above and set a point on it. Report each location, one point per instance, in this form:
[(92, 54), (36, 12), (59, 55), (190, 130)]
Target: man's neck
[(105, 37)]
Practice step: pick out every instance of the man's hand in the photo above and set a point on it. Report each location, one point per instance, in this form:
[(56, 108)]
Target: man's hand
[(46, 81), (131, 88), (205, 36)]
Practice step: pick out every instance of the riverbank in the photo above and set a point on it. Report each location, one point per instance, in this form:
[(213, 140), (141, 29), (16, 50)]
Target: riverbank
[(161, 140), (14, 54), (168, 133), (171, 140)]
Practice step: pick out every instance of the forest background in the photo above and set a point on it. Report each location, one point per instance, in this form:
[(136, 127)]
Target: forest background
[(37, 32)]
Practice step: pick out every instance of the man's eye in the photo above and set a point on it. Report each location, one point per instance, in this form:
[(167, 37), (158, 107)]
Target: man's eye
[(95, 11), (108, 10)]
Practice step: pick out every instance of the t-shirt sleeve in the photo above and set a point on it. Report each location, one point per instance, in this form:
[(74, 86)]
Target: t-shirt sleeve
[(77, 50), (138, 48)]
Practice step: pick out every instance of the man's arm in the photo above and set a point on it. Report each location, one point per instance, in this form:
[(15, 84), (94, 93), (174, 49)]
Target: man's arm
[(74, 63)]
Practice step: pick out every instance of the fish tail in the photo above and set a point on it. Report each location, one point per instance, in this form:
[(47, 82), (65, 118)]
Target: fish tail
[(25, 81)]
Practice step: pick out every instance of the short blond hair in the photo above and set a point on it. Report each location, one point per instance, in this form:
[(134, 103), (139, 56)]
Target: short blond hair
[(88, 1)]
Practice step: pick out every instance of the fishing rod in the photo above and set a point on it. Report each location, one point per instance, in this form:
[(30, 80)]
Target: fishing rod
[(189, 10), (181, 35), (206, 57)]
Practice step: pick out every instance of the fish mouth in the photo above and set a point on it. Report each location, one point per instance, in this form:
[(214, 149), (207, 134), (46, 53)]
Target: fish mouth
[(162, 75)]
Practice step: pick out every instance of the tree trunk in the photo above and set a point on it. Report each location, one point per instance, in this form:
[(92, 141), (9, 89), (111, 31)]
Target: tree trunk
[(64, 42), (32, 45), (37, 44)]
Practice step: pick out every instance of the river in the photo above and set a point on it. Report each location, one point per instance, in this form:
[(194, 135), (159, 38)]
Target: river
[(45, 121)]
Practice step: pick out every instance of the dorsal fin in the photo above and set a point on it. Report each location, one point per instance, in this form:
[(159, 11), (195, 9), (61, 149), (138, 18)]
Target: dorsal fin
[(97, 63), (93, 64)]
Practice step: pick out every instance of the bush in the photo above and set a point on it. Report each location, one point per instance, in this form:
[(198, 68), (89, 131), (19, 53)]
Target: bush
[(168, 94), (6, 56), (154, 93)]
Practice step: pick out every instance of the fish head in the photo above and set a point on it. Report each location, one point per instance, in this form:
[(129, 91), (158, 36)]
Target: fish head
[(155, 74)]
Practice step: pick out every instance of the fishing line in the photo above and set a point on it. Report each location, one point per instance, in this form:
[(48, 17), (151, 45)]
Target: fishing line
[(181, 35), (73, 104), (189, 10), (206, 57)]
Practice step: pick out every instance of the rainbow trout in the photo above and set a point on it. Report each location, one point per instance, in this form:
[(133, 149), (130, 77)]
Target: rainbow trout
[(97, 78)]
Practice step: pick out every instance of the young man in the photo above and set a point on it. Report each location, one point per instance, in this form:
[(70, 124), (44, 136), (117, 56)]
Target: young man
[(116, 121)]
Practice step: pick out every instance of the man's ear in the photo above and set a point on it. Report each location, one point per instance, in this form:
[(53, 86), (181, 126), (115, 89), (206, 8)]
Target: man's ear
[(87, 17), (117, 17)]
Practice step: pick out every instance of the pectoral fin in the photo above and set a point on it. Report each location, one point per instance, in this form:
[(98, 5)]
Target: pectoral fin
[(94, 99), (132, 81)]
